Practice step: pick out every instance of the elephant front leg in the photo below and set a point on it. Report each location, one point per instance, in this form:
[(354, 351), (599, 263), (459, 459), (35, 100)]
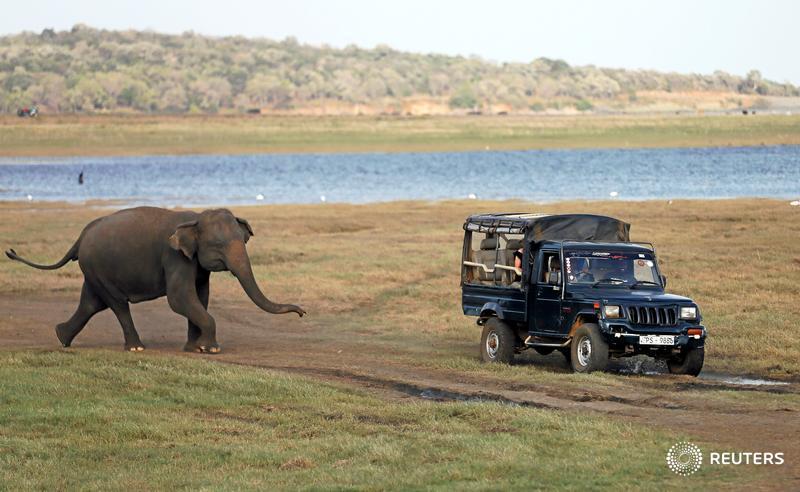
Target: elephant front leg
[(194, 333), (202, 330), (192, 302), (132, 341)]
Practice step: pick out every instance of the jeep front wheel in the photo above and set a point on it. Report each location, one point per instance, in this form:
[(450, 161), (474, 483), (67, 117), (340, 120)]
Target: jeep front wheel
[(588, 350), (690, 362), (497, 342)]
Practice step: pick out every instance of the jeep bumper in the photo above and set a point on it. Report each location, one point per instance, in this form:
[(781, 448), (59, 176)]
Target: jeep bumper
[(622, 335)]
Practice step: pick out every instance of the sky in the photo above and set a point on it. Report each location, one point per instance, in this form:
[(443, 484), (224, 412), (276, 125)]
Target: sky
[(698, 36)]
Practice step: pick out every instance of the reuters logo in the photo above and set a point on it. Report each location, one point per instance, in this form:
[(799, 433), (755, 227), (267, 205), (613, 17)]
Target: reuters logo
[(684, 458)]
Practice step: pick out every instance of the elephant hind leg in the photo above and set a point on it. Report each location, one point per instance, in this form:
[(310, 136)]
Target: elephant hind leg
[(90, 304)]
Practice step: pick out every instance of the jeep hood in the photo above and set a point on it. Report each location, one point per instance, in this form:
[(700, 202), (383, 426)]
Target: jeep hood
[(624, 295)]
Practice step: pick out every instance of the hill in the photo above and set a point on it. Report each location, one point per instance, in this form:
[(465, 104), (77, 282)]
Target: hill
[(91, 70)]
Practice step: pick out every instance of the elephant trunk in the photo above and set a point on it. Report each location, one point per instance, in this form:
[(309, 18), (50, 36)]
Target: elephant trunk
[(238, 263)]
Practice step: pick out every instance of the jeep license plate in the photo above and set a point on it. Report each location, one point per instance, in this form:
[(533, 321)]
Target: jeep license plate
[(656, 340)]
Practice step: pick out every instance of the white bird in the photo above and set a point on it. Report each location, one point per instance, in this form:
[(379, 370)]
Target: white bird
[(259, 197), (614, 194)]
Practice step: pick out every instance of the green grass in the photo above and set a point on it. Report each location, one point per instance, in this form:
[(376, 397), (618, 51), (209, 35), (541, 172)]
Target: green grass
[(116, 135), (100, 420)]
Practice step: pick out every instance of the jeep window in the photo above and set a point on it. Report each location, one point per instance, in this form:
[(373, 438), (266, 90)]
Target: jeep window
[(490, 259), (611, 268), (551, 262)]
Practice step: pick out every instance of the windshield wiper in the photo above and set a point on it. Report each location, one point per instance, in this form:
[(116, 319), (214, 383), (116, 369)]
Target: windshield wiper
[(613, 280), (645, 282)]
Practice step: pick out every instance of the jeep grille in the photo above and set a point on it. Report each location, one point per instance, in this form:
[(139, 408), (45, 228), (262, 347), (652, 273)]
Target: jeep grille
[(652, 315)]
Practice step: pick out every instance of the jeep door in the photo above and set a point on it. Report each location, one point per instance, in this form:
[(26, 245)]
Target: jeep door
[(547, 302)]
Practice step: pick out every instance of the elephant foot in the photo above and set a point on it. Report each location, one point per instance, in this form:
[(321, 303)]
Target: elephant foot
[(212, 348), (137, 347), (64, 334)]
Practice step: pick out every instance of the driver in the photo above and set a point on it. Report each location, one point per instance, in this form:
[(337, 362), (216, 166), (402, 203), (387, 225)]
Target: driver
[(583, 274), (626, 271)]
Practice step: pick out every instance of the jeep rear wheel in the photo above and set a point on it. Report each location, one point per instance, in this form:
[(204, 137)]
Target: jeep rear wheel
[(690, 362), (588, 350), (497, 342)]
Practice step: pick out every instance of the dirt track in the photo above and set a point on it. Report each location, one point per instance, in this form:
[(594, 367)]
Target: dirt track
[(289, 344)]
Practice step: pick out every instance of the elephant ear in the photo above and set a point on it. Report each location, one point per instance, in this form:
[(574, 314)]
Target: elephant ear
[(185, 239), (246, 229)]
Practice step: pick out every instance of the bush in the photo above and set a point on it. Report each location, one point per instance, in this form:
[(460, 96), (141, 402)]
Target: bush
[(583, 105), (464, 98)]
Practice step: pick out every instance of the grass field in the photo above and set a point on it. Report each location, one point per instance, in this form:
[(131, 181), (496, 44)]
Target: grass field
[(385, 276), (129, 135), (394, 267), (101, 420)]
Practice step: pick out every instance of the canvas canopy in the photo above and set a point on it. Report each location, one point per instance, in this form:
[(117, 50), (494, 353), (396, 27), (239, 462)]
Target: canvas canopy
[(577, 228), (539, 227)]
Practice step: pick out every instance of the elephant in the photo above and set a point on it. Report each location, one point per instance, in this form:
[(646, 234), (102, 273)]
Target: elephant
[(143, 253)]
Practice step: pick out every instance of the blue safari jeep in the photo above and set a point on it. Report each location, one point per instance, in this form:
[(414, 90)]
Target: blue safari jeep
[(577, 284)]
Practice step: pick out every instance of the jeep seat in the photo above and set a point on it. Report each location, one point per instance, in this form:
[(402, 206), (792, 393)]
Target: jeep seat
[(487, 256)]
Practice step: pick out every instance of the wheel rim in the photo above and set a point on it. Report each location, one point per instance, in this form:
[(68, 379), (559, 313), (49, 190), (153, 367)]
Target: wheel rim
[(492, 344), (584, 351)]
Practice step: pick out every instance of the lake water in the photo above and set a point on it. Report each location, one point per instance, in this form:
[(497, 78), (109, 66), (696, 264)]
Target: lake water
[(538, 175)]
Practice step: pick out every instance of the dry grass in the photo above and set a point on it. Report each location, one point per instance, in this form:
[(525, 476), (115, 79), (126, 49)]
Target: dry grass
[(137, 135), (389, 272)]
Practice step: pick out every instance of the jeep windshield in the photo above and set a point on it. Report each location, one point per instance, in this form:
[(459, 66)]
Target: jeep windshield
[(603, 268)]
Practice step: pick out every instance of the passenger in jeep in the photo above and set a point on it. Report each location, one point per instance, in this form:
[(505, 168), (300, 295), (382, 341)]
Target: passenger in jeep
[(518, 259)]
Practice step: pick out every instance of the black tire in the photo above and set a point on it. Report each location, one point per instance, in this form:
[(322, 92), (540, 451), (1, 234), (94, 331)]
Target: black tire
[(544, 350), (497, 342), (689, 362), (588, 350)]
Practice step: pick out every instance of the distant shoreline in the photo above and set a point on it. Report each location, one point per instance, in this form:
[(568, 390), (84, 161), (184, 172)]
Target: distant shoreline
[(130, 135), (24, 205)]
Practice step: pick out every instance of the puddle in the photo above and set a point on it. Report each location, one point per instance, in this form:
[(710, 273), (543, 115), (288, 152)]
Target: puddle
[(740, 380), (440, 395), (646, 366), (639, 365)]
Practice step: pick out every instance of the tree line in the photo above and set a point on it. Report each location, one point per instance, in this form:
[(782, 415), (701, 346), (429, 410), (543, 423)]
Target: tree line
[(91, 70)]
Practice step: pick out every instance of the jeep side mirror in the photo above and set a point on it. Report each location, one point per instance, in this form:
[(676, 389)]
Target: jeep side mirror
[(664, 280), (554, 278)]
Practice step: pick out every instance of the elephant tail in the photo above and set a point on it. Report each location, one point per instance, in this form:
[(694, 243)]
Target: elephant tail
[(71, 255)]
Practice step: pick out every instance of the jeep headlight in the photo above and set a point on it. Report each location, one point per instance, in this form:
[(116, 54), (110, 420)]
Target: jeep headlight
[(612, 311), (689, 312)]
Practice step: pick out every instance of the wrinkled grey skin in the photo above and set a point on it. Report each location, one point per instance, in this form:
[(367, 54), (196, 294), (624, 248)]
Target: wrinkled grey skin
[(143, 253)]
